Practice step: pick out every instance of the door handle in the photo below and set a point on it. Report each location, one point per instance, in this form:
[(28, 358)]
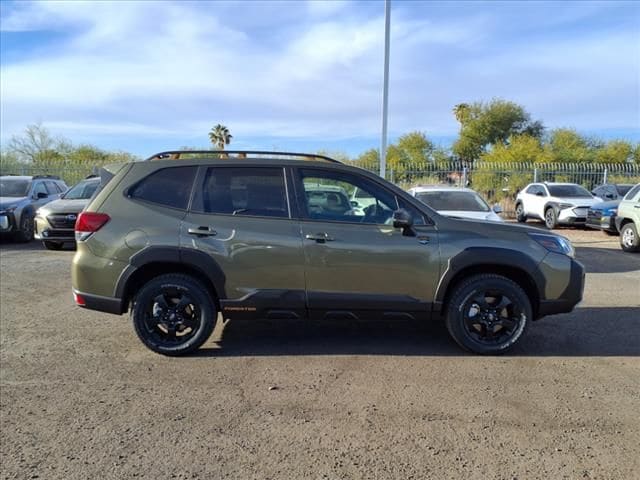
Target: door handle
[(202, 231), (319, 237)]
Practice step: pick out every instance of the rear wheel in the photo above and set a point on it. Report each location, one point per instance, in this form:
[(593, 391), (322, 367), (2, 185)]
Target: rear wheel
[(488, 314), (520, 215), (550, 218), (49, 245), (173, 314), (629, 240), (25, 233)]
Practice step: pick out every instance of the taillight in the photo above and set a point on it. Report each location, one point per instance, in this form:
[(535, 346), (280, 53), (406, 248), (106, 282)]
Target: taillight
[(88, 223), (79, 299)]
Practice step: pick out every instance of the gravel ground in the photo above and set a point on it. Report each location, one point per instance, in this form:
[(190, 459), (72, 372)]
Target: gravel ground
[(81, 398)]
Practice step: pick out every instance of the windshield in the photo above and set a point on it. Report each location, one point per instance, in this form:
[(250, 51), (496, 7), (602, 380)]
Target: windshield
[(451, 200), (82, 190), (14, 187), (568, 191)]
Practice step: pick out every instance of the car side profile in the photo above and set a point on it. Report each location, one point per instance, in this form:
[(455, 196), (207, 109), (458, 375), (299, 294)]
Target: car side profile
[(176, 240), (628, 220), (554, 203), (20, 197)]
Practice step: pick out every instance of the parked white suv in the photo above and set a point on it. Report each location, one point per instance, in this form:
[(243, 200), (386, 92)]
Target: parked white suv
[(555, 203), (456, 202)]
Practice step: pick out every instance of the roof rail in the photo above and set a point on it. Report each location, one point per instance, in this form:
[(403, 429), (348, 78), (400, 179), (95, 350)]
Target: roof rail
[(176, 154)]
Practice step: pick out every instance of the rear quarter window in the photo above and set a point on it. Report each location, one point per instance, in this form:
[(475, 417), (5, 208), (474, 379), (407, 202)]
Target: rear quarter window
[(170, 187)]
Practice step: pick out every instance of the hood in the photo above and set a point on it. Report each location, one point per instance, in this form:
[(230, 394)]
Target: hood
[(472, 215), (577, 201), (605, 205), (6, 202), (64, 206)]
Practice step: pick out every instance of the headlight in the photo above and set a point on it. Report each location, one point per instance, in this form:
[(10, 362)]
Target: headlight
[(562, 206), (612, 211), (554, 243), (9, 209)]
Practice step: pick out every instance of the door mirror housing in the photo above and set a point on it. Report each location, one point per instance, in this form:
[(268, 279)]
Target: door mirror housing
[(41, 195), (540, 194), (403, 219), (497, 208)]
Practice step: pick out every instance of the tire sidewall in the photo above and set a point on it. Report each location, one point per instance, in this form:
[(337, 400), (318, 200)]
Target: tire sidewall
[(554, 218), (152, 289), (25, 235), (636, 241), (455, 316), (520, 216)]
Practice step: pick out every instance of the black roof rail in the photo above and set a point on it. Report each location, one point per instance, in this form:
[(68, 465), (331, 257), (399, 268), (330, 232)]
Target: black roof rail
[(175, 154)]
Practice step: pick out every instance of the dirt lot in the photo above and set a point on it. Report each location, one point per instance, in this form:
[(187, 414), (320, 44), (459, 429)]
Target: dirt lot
[(82, 398)]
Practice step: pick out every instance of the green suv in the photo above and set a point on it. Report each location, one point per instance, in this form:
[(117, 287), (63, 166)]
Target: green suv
[(185, 236)]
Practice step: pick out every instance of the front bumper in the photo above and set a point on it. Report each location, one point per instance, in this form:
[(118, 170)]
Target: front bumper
[(43, 230), (7, 222), (571, 296), (595, 219), (573, 215)]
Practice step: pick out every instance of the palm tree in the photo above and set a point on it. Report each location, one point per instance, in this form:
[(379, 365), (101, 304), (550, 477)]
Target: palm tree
[(461, 112), (220, 136)]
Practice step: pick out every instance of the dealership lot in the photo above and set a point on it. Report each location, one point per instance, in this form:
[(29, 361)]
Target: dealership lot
[(81, 397)]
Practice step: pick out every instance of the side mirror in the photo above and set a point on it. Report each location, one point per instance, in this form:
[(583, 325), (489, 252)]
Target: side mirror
[(403, 219), (497, 208), (41, 195), (609, 196), (540, 194)]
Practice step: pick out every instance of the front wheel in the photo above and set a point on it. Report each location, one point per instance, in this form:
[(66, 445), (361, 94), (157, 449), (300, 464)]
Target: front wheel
[(25, 234), (173, 314), (520, 215), (550, 218), (488, 314), (629, 240)]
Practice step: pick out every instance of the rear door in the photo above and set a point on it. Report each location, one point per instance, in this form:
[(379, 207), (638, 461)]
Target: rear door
[(357, 264), (241, 218)]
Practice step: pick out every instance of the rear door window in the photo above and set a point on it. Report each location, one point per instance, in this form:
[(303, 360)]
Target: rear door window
[(170, 187), (252, 191)]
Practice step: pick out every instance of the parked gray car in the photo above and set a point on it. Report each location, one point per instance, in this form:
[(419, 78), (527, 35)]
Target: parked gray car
[(55, 221), (20, 197)]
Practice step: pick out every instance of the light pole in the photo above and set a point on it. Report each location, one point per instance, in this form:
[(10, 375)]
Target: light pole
[(385, 91)]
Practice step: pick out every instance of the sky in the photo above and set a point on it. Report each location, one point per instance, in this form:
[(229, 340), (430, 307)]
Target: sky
[(307, 75)]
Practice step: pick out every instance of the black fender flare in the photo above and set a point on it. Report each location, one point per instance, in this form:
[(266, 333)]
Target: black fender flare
[(478, 257), (192, 258)]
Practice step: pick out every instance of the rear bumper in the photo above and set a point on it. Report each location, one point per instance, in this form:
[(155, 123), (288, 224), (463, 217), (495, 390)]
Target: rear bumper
[(99, 303), (571, 296)]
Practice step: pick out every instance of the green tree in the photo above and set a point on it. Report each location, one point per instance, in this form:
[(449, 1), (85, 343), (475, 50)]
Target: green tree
[(615, 151), (636, 153), (565, 145), (35, 144), (416, 148), (520, 148), (485, 124), (220, 136)]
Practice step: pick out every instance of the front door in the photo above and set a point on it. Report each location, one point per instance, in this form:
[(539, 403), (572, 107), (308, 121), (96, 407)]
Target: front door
[(241, 218), (357, 264)]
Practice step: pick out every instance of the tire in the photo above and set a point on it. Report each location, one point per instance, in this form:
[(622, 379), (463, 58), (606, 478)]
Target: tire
[(165, 326), (49, 245), (25, 232), (487, 314), (629, 240), (520, 215), (550, 218)]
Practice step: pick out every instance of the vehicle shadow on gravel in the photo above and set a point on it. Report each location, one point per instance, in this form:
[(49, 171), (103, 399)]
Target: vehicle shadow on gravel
[(8, 245), (607, 260), (585, 332)]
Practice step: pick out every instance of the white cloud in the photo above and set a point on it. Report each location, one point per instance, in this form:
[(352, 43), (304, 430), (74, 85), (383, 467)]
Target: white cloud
[(171, 69)]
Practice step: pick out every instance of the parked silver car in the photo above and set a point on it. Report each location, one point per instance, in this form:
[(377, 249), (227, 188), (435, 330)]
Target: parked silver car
[(55, 221), (20, 197)]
